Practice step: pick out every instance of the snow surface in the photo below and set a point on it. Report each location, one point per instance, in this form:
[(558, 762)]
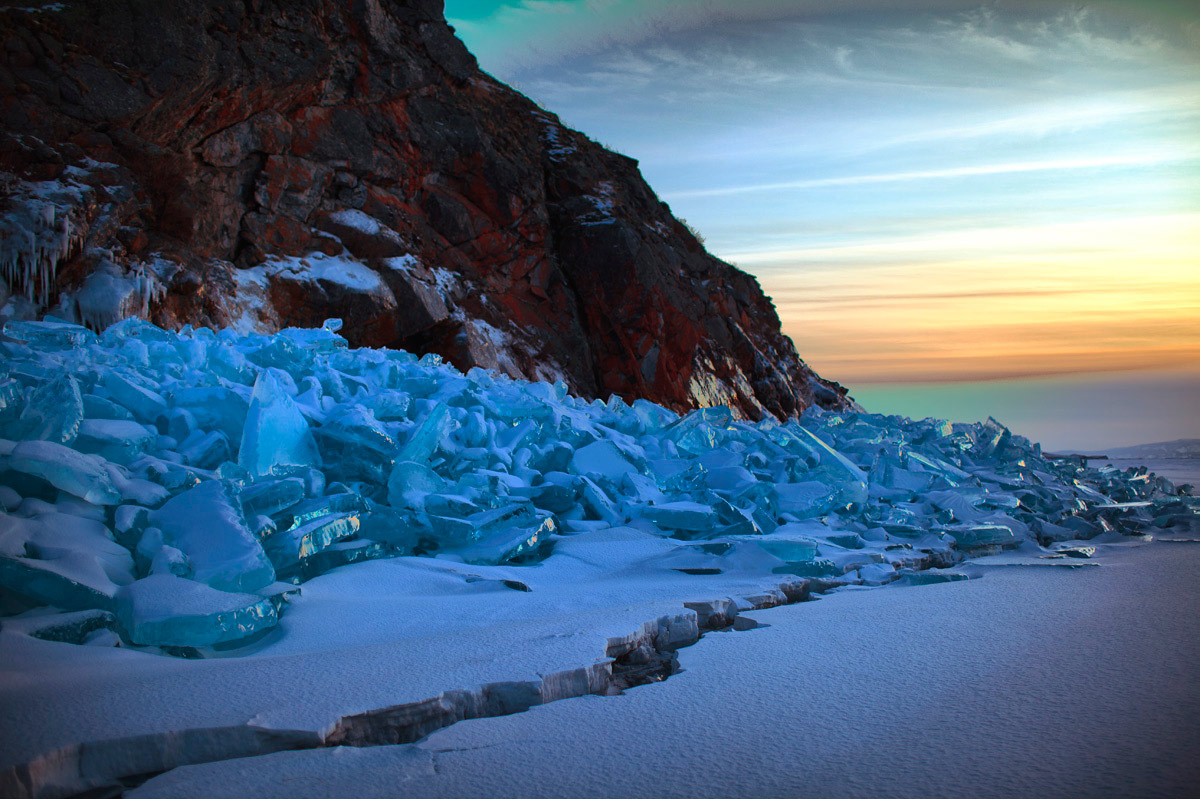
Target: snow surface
[(1028, 682), (365, 637)]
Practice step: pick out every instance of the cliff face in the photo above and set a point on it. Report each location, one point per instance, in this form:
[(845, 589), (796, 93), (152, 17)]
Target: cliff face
[(266, 163)]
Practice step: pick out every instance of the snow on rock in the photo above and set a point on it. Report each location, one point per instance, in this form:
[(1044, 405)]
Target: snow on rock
[(553, 134), (401, 263), (347, 272), (238, 458), (251, 310), (603, 204), (353, 218)]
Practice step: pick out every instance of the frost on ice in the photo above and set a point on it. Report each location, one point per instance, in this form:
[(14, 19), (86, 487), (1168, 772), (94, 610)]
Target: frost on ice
[(182, 483)]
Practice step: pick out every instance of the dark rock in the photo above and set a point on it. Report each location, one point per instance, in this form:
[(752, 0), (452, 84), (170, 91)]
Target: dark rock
[(210, 134)]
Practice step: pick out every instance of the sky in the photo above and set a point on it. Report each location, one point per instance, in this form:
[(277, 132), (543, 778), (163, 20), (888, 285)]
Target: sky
[(960, 210)]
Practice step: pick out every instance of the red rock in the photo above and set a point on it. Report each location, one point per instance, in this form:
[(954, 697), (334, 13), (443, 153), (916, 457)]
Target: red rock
[(275, 234), (500, 237)]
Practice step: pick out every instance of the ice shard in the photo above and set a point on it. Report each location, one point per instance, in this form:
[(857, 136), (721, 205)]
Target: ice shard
[(276, 436), (80, 475), (146, 405), (232, 460), (166, 610), (53, 413), (428, 435), (62, 560), (206, 524), (287, 549)]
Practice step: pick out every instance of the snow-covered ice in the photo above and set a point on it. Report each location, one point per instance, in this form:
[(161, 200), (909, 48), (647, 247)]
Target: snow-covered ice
[(1044, 682)]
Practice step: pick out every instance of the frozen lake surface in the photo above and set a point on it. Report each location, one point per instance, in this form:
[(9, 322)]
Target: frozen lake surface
[(1178, 470), (471, 546), (1043, 681)]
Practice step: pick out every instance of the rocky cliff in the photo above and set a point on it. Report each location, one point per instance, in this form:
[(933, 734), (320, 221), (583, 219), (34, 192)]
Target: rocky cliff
[(270, 163)]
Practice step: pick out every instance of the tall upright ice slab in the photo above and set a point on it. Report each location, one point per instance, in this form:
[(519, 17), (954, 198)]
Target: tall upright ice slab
[(276, 434)]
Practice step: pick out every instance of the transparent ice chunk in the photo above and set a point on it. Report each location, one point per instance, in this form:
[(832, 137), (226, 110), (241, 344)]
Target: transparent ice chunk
[(930, 577), (699, 431), (80, 475), (729, 480), (603, 459), (808, 499), (354, 443), (790, 550), (288, 548), (598, 505), (428, 435), (390, 405), (276, 434), (269, 497), (62, 560), (53, 413), (877, 573), (211, 408), (320, 340), (309, 510), (50, 335), (144, 404), (477, 526), (409, 484), (95, 407), (114, 439), (166, 610), (343, 553), (206, 524), (982, 535), (205, 450), (508, 544), (682, 515)]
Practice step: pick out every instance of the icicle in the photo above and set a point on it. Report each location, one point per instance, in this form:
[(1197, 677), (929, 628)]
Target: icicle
[(40, 231)]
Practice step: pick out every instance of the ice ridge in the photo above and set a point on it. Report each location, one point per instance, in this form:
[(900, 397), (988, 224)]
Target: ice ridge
[(183, 482)]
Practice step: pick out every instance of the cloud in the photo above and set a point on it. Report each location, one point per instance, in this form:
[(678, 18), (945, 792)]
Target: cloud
[(994, 303), (1094, 162), (1169, 237), (928, 188), (1042, 119)]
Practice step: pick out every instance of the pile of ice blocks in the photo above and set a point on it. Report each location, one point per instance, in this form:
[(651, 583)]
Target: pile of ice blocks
[(178, 485)]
